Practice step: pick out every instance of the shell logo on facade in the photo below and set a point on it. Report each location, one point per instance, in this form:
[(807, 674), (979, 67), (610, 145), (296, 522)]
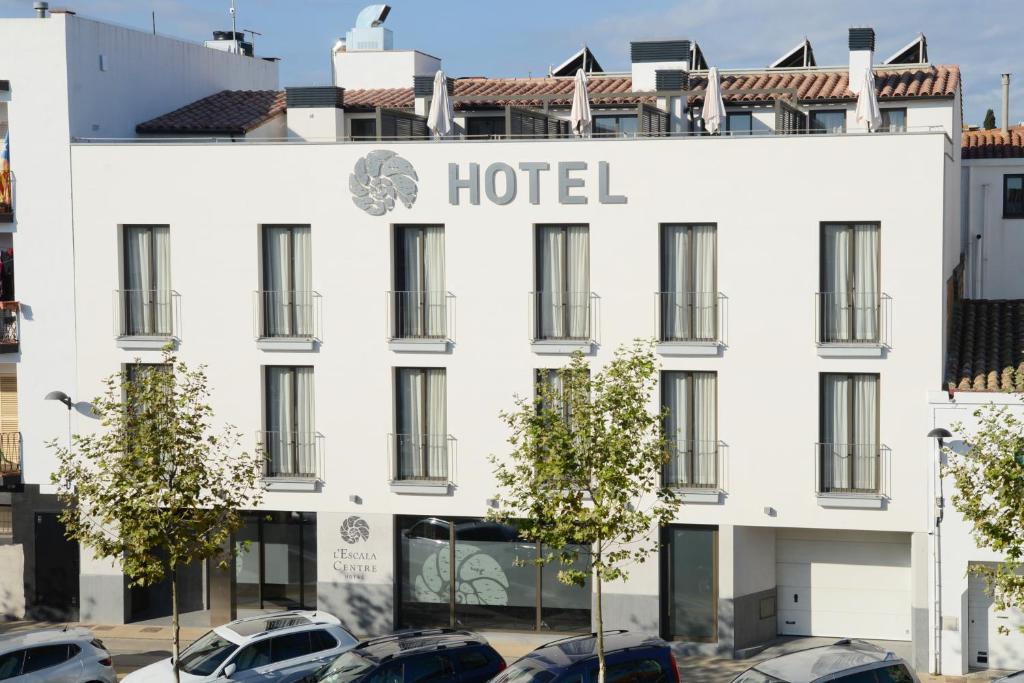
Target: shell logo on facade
[(354, 529), (379, 180)]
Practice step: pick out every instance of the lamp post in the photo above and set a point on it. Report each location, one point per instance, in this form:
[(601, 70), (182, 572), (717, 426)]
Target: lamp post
[(939, 434), (66, 400)]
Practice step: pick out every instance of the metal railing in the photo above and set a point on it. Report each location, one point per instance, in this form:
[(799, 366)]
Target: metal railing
[(694, 464), (10, 327), (853, 318), (6, 521), (691, 316), (292, 455), (287, 314), (10, 453), (420, 315), (428, 458), (146, 312), (851, 468), (568, 316)]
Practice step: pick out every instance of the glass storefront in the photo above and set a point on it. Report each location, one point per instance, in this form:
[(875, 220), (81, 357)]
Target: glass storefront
[(690, 583), (471, 573), (278, 569)]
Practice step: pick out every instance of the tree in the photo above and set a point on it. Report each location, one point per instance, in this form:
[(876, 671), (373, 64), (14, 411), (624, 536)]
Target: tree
[(585, 469), (155, 487), (990, 120), (989, 479)]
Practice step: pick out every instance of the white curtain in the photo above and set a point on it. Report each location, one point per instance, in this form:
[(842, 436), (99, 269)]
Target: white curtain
[(850, 449), (835, 311), (147, 268), (291, 434), (689, 302), (705, 427), (578, 260), (305, 436), (850, 304), (434, 281), (422, 439), (865, 282), (421, 284), (437, 424), (691, 428), (563, 282), (287, 281), (676, 398), (865, 432)]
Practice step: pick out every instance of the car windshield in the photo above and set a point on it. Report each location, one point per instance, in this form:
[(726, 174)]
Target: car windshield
[(347, 667), (526, 671), (754, 676), (202, 657)]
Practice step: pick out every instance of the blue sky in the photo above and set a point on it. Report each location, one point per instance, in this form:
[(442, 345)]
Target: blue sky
[(483, 37)]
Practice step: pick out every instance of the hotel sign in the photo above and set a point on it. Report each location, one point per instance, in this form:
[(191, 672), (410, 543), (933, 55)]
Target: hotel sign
[(501, 182)]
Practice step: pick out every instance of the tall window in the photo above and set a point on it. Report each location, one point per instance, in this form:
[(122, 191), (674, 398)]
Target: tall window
[(146, 304), (614, 125), (850, 298), (1013, 196), (894, 120), (287, 286), (850, 451), (290, 437), (420, 298), (690, 576), (828, 121), (485, 126), (739, 122), (363, 129), (688, 300), (691, 428), (563, 282), (421, 412)]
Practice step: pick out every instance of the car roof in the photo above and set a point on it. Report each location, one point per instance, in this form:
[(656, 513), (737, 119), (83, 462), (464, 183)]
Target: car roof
[(568, 651), (817, 662), (243, 630), (409, 642), (16, 641)]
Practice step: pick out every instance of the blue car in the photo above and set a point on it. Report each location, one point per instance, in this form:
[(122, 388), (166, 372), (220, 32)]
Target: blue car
[(629, 658)]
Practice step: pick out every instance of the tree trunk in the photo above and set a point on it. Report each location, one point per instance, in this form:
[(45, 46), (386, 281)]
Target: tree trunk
[(600, 621), (175, 635)]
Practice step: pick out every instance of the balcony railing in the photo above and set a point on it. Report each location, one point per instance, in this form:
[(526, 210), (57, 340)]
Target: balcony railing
[(10, 453), (851, 468), (287, 314), (292, 455), (6, 197), (564, 316), (691, 316), (853, 318), (426, 458), (146, 313), (697, 465), (10, 327), (421, 315)]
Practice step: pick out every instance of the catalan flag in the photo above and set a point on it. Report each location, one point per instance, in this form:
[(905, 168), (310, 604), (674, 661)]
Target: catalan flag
[(5, 171)]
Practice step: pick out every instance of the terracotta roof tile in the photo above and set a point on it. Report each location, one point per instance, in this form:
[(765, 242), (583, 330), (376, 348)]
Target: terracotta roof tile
[(992, 144), (229, 112), (986, 346)]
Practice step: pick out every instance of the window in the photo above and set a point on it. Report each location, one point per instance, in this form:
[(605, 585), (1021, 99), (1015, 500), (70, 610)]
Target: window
[(691, 428), (485, 126), (10, 664), (562, 278), (289, 646), (688, 300), (470, 660), (349, 667), (253, 656), (321, 640), (146, 307), (554, 378), (202, 657), (1013, 196), (526, 671), (390, 673), (828, 121), (420, 299), (614, 125), (894, 120), (422, 429), (290, 436), (39, 658), (275, 565), (849, 450), (427, 668), (635, 671), (286, 287), (690, 578), (850, 297), (739, 122), (363, 129)]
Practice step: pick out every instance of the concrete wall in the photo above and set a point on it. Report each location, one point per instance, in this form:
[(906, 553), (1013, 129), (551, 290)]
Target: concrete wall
[(993, 261), (12, 588)]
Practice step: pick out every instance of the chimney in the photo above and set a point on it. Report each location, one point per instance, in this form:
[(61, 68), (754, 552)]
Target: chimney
[(1006, 104), (315, 113), (862, 55), (41, 8)]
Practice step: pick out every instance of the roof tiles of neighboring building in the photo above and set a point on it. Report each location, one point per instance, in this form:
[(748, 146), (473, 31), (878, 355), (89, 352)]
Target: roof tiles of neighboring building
[(993, 144), (986, 346), (229, 112)]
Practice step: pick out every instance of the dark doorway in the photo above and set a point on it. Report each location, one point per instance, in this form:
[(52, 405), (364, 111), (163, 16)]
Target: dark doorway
[(152, 602), (275, 567), (56, 574)]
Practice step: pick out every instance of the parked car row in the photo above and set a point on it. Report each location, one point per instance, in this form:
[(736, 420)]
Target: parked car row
[(313, 647)]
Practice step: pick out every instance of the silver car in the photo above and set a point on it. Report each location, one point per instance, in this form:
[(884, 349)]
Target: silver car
[(845, 661), (55, 656)]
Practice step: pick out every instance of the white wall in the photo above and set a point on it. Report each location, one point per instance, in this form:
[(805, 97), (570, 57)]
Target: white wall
[(382, 68), (993, 262)]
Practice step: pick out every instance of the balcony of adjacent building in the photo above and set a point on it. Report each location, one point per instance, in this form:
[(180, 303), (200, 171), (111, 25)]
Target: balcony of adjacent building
[(11, 465), (10, 308), (6, 177)]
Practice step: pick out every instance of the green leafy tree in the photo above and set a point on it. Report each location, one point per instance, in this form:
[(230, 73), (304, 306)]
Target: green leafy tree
[(156, 487), (989, 479), (585, 470), (990, 120)]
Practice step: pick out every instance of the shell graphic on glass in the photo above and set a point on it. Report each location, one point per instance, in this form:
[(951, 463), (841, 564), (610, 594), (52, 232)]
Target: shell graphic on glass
[(479, 578), (354, 529), (379, 180)]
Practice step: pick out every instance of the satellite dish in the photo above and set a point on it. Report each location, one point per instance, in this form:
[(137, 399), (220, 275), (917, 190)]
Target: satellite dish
[(372, 16)]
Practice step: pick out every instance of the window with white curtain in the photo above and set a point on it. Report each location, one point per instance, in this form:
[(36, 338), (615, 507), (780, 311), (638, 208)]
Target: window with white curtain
[(688, 298), (146, 301), (421, 419), (850, 451), (690, 400), (850, 297), (562, 300), (420, 298), (554, 378), (290, 439), (286, 295)]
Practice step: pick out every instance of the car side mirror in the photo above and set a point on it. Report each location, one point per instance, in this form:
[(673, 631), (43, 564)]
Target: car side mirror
[(229, 670)]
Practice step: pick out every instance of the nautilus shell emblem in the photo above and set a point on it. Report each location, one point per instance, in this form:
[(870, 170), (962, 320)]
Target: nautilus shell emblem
[(380, 179), (354, 529)]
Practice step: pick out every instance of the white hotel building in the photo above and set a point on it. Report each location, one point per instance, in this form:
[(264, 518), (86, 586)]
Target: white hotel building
[(368, 300)]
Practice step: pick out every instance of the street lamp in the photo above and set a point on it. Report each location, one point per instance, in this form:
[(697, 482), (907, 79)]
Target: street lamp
[(59, 396), (940, 434)]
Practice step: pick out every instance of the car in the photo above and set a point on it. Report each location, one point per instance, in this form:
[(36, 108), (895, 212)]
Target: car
[(629, 658), (280, 647), (438, 655), (68, 655), (845, 661), (1016, 677)]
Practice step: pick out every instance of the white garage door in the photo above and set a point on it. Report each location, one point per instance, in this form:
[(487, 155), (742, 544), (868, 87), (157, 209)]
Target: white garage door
[(986, 646), (843, 584)]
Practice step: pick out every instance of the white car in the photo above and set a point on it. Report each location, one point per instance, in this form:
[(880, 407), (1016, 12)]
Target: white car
[(55, 656), (282, 647), (845, 661)]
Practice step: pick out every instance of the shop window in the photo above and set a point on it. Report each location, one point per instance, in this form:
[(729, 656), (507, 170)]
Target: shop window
[(690, 583), (278, 569)]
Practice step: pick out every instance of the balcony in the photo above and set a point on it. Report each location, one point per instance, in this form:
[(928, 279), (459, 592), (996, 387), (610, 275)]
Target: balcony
[(696, 470), (10, 327), (421, 463), (287, 320), (851, 475), (852, 324), (564, 322), (294, 460), (691, 323), (6, 197), (420, 321), (10, 460), (146, 318)]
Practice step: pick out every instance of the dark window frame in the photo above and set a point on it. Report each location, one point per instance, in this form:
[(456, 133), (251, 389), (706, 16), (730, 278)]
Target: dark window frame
[(1019, 212), (886, 112), (813, 113), (731, 116), (665, 579)]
